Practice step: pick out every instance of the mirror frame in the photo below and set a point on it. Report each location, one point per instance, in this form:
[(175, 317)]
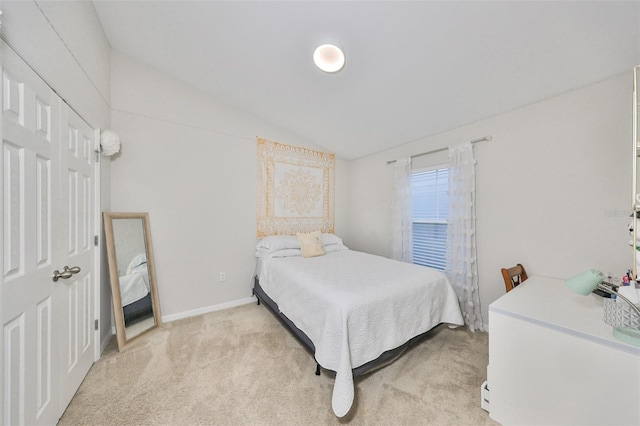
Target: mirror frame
[(635, 144), (118, 312)]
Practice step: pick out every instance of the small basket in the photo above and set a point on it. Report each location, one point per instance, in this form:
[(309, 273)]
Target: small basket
[(619, 314)]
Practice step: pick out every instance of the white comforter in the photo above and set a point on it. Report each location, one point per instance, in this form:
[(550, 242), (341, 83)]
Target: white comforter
[(133, 288), (355, 306)]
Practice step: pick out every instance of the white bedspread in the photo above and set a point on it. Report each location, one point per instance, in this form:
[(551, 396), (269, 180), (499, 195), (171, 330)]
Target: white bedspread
[(355, 306), (133, 287)]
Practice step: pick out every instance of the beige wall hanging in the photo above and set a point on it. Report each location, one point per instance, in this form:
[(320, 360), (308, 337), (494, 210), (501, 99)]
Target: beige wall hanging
[(295, 189)]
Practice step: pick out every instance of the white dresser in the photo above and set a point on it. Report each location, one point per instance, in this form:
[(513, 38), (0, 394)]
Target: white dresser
[(554, 361)]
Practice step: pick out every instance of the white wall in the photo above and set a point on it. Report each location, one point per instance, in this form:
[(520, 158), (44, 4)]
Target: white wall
[(553, 187), (65, 44), (191, 162)]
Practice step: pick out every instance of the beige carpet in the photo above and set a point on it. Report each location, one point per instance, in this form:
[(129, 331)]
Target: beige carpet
[(241, 367)]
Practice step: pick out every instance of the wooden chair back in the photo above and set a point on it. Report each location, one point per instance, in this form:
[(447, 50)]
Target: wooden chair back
[(514, 276)]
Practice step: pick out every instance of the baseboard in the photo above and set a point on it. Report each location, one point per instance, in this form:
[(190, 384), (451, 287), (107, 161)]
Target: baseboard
[(105, 340), (207, 309)]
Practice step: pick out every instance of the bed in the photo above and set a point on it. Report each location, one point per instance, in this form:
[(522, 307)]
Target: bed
[(135, 291), (353, 310)]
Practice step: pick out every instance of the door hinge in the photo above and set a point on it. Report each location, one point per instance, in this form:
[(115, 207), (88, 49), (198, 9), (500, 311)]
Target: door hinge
[(97, 322), (97, 156), (95, 240)]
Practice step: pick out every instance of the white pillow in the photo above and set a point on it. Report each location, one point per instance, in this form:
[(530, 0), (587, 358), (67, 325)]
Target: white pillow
[(278, 242), (330, 239), (335, 247), (265, 254), (136, 262), (274, 243)]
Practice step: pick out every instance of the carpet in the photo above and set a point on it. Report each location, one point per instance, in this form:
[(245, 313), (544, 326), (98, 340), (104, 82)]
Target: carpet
[(240, 366)]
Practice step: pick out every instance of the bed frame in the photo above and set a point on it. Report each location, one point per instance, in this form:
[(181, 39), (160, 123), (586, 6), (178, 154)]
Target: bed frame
[(138, 310), (384, 359)]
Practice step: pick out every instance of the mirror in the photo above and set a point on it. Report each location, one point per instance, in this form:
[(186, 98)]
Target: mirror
[(134, 291)]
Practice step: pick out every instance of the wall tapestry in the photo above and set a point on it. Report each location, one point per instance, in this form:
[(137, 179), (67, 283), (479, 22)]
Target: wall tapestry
[(295, 189)]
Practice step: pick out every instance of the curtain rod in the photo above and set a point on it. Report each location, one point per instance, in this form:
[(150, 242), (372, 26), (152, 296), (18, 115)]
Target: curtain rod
[(486, 138)]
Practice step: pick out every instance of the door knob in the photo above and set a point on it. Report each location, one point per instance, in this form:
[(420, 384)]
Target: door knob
[(65, 274), (73, 269)]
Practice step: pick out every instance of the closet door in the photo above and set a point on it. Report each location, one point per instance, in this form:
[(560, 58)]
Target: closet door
[(76, 223), (30, 178), (40, 316)]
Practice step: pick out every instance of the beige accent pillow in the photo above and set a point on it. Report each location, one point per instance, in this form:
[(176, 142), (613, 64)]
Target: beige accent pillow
[(311, 244)]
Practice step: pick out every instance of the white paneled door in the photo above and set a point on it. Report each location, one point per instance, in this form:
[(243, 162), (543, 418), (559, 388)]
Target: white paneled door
[(47, 224), (76, 221)]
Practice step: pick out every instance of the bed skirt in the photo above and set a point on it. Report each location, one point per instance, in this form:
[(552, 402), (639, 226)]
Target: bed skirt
[(384, 359)]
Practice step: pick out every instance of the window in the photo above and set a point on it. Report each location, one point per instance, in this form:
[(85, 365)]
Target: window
[(430, 192)]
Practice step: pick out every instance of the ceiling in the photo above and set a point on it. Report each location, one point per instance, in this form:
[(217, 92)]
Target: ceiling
[(413, 69)]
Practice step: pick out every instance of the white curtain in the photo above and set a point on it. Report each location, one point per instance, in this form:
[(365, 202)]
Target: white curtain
[(402, 212), (462, 269)]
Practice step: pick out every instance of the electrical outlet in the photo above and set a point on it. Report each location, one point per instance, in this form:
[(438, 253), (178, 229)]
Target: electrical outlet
[(223, 276)]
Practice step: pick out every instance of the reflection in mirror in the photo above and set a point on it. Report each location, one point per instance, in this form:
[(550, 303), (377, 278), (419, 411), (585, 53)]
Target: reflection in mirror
[(133, 282)]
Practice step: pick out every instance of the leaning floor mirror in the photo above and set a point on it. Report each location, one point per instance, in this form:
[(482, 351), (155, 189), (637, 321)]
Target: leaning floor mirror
[(134, 289)]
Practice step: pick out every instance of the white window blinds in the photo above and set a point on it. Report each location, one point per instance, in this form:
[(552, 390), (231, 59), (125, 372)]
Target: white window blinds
[(430, 209)]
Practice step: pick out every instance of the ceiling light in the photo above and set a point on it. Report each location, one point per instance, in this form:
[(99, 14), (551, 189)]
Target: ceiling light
[(328, 58)]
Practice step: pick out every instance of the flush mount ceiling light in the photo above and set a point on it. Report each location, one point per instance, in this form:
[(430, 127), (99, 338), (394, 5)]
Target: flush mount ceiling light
[(328, 58)]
